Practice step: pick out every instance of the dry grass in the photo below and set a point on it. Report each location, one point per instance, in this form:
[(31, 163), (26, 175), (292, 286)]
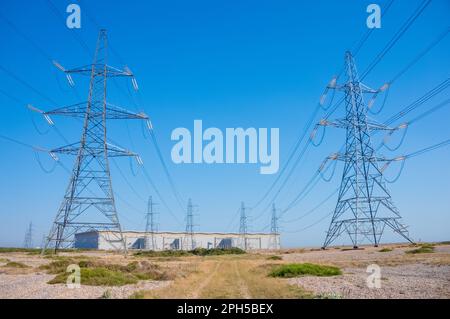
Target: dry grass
[(228, 277)]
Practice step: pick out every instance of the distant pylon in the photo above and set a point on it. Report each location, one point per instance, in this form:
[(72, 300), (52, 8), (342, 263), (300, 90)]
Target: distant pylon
[(364, 204), (274, 230), (28, 242), (150, 226), (89, 203), (243, 227), (189, 235)]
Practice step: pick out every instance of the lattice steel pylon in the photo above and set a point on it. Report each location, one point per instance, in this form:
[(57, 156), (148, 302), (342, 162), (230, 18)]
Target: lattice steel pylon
[(274, 230), (89, 204), (189, 241), (150, 226), (243, 227), (28, 242), (364, 207)]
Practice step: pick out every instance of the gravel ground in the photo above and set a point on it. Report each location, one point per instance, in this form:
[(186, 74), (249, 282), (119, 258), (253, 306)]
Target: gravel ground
[(31, 283), (31, 286), (405, 281), (402, 275)]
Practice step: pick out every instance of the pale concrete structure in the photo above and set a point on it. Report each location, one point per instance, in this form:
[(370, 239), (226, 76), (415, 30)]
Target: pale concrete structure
[(105, 240)]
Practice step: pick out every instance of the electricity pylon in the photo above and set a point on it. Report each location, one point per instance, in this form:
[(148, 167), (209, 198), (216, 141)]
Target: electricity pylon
[(189, 236), (28, 242), (89, 204), (274, 230), (243, 227), (364, 207), (150, 226)]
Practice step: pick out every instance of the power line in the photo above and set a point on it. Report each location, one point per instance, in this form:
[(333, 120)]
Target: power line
[(420, 101), (421, 55), (396, 37), (166, 170), (428, 149), (313, 209), (363, 40), (74, 35), (161, 198)]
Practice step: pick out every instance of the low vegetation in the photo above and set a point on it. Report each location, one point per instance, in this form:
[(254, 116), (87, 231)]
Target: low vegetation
[(274, 258), (195, 252), (137, 295), (13, 264), (19, 250), (106, 295), (424, 249), (217, 251), (295, 270), (96, 273), (385, 250)]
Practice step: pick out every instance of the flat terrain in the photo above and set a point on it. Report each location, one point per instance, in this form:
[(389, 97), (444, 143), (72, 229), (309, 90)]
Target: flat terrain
[(403, 275)]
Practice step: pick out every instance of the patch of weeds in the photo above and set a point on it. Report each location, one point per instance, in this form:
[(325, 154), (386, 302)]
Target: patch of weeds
[(19, 250), (351, 249), (424, 249), (98, 277), (137, 295), (274, 258), (13, 264), (163, 253), (217, 251), (332, 295), (97, 273), (195, 252), (106, 294), (295, 270), (58, 266), (385, 250), (4, 260)]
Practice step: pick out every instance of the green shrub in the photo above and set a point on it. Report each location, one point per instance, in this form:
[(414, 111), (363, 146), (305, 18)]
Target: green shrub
[(195, 252), (217, 251), (163, 253), (385, 250), (274, 258), (19, 250), (422, 250), (295, 270), (106, 294), (137, 295), (98, 277), (13, 264), (96, 273)]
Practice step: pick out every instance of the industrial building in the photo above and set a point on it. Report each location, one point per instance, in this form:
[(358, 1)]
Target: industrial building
[(107, 240)]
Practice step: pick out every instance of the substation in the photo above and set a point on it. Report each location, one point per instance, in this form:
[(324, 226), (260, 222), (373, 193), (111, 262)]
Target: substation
[(157, 241)]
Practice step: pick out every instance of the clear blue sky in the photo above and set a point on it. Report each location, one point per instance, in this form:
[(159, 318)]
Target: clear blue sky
[(231, 64)]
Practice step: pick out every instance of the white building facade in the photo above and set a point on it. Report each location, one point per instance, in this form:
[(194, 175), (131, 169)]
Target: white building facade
[(105, 240)]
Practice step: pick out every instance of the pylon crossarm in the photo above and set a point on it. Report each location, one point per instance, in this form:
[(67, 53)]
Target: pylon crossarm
[(374, 126), (114, 112), (366, 89), (75, 110), (99, 69), (371, 126), (115, 151)]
